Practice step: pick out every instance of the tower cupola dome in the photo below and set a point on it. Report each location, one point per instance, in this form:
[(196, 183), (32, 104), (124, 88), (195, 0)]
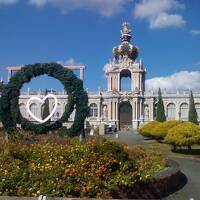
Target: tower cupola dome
[(125, 49)]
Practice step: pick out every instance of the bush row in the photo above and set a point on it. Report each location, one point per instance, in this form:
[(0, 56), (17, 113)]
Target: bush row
[(176, 133)]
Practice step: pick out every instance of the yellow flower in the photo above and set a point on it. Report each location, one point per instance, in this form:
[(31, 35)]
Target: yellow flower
[(38, 192)]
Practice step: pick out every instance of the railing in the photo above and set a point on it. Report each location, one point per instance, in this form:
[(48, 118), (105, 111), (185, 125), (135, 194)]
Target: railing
[(174, 93), (43, 93), (165, 93)]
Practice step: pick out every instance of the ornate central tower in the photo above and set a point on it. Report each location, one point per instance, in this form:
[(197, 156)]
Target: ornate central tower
[(124, 64)]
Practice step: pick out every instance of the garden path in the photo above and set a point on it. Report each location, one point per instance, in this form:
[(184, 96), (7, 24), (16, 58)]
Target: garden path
[(189, 165)]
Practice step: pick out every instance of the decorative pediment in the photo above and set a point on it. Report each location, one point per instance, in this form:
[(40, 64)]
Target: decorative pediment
[(125, 96), (115, 92)]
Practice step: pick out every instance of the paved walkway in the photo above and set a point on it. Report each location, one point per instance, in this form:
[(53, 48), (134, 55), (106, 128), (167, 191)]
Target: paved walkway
[(191, 168), (188, 165)]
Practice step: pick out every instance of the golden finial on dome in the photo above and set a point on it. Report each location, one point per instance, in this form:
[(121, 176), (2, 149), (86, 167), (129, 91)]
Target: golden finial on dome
[(125, 32)]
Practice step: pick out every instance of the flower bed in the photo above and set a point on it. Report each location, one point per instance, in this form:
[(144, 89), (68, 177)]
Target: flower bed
[(62, 167)]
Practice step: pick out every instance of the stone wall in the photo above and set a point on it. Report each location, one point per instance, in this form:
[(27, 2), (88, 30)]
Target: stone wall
[(162, 185)]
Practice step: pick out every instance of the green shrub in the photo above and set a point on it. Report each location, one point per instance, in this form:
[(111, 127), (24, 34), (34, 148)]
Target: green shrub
[(161, 130), (185, 134), (113, 149), (62, 131), (147, 130)]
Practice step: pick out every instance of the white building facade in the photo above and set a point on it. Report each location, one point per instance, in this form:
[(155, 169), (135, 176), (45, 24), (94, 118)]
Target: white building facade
[(125, 109)]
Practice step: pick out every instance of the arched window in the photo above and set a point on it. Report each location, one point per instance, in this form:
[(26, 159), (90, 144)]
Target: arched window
[(125, 81), (184, 111), (93, 110), (197, 106), (171, 111), (22, 109), (34, 109)]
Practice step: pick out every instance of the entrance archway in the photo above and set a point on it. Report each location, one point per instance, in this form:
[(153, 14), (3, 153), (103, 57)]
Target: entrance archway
[(125, 116)]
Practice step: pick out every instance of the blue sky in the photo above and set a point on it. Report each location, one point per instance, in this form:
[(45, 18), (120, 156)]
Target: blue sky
[(167, 33)]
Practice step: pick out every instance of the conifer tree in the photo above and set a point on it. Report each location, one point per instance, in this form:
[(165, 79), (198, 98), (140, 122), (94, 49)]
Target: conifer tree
[(192, 110), (160, 114), (1, 86)]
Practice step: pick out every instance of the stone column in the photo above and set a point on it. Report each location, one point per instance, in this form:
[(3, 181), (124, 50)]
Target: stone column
[(113, 82), (114, 111), (136, 108), (177, 111), (118, 82), (135, 114), (117, 111), (141, 113), (9, 75), (143, 82), (152, 111), (140, 81), (133, 110), (109, 111), (81, 73), (110, 82), (131, 81), (99, 110)]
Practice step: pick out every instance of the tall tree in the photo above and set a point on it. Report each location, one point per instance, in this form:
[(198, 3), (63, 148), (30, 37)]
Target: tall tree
[(1, 86), (192, 110), (45, 111), (160, 114)]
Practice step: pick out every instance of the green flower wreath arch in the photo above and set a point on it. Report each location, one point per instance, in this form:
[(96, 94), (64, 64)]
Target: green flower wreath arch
[(77, 98)]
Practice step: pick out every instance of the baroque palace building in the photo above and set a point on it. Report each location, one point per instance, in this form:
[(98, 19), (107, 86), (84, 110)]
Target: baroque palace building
[(128, 109)]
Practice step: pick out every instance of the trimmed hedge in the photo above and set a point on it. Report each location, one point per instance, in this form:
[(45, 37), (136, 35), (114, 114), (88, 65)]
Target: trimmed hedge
[(147, 129), (162, 129), (158, 130), (185, 134)]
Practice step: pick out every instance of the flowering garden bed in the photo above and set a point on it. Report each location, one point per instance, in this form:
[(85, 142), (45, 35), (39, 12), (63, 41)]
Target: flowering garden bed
[(62, 167)]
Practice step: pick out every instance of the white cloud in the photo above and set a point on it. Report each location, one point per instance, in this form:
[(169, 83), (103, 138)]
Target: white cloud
[(158, 13), (103, 7), (69, 62), (38, 3), (195, 32), (165, 20), (181, 80), (7, 2)]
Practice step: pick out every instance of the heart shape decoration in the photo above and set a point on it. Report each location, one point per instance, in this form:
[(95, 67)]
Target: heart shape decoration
[(42, 101)]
